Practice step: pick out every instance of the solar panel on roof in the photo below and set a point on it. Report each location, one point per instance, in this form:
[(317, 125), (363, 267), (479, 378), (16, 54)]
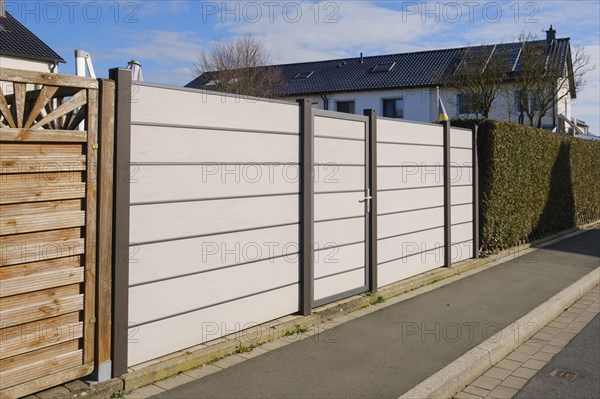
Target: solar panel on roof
[(383, 67)]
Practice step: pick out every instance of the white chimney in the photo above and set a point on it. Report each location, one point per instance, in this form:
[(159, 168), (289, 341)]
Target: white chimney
[(2, 8)]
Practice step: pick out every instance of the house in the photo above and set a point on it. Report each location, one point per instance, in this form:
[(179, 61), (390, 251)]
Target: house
[(21, 49), (404, 85)]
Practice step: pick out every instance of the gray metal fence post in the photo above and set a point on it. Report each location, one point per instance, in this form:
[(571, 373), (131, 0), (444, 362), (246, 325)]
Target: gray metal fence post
[(122, 160), (306, 206), (447, 198), (372, 237), (475, 177)]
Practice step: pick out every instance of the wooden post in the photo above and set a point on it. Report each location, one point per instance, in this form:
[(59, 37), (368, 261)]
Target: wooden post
[(122, 161), (106, 116), (307, 194)]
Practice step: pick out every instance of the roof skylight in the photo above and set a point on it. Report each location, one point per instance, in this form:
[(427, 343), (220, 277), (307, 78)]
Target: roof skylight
[(304, 75), (386, 67)]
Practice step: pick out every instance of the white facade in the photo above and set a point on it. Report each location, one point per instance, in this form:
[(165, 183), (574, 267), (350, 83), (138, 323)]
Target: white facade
[(420, 104), (25, 65)]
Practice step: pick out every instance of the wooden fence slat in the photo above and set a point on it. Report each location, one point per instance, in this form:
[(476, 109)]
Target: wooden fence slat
[(16, 301), (19, 102), (39, 208), (77, 100), (42, 310), (40, 334), (79, 117), (41, 221), (45, 95), (42, 192), (49, 380), (41, 164), (40, 368), (19, 361), (27, 269), (42, 135), (52, 79), (40, 281), (6, 111)]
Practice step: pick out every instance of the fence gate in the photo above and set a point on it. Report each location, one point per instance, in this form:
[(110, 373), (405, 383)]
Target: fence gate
[(47, 229), (341, 205)]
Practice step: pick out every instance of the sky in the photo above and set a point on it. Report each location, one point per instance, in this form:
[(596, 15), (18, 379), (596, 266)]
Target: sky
[(165, 36)]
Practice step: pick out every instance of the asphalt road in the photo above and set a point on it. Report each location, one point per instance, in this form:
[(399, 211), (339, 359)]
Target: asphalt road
[(580, 357)]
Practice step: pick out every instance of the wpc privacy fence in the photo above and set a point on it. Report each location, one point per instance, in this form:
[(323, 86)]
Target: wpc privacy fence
[(534, 183), (232, 211)]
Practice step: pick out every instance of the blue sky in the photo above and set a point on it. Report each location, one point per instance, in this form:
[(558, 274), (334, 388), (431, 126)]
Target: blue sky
[(166, 36)]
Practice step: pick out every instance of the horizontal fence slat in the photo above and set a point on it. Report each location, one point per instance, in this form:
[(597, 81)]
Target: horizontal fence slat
[(202, 254), (42, 135), (331, 260), (41, 310), (26, 269), (342, 128), (406, 132), (51, 79), (209, 323), (41, 164), (40, 334), (154, 301), (40, 368), (40, 281), (41, 221), (188, 219), (333, 285), (32, 192), (153, 144)]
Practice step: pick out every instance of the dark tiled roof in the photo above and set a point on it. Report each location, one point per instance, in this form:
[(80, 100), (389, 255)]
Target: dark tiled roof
[(418, 69), (18, 41)]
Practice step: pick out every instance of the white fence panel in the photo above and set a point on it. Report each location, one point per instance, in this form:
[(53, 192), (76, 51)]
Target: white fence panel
[(213, 217)]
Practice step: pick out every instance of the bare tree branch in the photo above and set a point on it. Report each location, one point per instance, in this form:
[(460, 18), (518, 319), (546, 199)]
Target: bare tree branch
[(239, 66)]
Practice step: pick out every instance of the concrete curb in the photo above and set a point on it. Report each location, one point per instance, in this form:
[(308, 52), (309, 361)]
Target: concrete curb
[(464, 370)]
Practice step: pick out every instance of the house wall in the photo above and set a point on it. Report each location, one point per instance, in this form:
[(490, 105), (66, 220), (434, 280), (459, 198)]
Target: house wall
[(416, 101), (420, 104), (26, 65)]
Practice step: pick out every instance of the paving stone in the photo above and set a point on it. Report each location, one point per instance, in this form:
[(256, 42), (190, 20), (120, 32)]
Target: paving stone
[(144, 392), (514, 382), (551, 330), (543, 356), (202, 371), (509, 364), (497, 372), (174, 381), (519, 357), (486, 383), (544, 336), (534, 364), (524, 372), (557, 324), (253, 353), (465, 395), (502, 392), (553, 349), (559, 342), (476, 390), (278, 343), (228, 361), (528, 349)]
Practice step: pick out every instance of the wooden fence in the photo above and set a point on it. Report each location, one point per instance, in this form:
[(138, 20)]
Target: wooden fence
[(55, 229)]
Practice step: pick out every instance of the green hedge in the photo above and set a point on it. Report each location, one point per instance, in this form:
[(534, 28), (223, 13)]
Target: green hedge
[(533, 183)]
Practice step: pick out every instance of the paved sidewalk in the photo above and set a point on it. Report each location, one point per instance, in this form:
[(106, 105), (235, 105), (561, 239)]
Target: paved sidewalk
[(384, 352), (505, 379)]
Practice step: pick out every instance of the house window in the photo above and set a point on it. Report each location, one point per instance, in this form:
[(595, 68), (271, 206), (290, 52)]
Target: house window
[(345, 106), (466, 105), (393, 108)]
